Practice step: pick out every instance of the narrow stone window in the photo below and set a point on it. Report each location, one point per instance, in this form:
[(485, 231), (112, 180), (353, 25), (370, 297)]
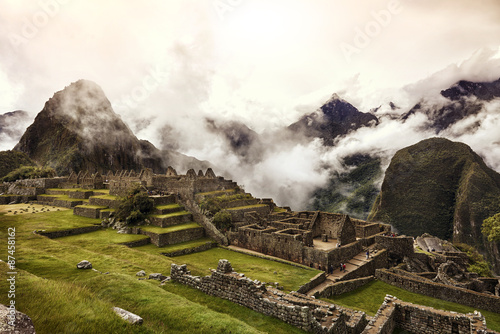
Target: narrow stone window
[(430, 321), (407, 315), (454, 328)]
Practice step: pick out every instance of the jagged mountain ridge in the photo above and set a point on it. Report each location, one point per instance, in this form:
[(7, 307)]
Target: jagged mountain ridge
[(443, 188), (78, 130), (335, 118), (465, 98)]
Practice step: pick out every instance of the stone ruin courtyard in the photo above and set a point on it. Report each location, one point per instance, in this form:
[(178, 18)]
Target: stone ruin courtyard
[(319, 240)]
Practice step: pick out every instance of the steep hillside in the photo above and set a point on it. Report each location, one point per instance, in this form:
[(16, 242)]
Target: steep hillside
[(10, 160), (442, 188), (335, 118), (78, 130), (352, 192)]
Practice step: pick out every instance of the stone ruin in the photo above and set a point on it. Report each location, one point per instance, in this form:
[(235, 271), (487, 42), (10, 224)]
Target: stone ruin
[(316, 316)]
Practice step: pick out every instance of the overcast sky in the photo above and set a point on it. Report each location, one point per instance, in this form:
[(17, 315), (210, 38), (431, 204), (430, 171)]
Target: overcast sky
[(169, 64), (242, 58)]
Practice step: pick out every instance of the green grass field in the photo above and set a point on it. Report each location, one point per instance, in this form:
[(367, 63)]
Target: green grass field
[(63, 299)]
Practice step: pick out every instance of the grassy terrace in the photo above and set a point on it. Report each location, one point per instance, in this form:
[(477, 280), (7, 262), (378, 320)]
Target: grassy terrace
[(169, 206), (62, 299), (368, 298), (217, 192), (246, 207), (111, 197), (173, 214), (101, 237), (91, 206), (290, 277), (173, 228), (152, 249)]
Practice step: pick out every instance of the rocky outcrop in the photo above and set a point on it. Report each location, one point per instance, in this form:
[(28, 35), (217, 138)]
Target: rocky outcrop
[(443, 188), (22, 323), (84, 265), (134, 319)]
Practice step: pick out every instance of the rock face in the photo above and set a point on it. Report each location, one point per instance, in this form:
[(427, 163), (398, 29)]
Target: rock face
[(84, 265), (443, 188), (134, 319), (78, 130), (23, 323), (335, 118)]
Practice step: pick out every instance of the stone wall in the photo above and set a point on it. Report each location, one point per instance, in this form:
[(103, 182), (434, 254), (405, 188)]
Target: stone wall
[(175, 237), (344, 286), (394, 313), (111, 203), (379, 260), (185, 251), (137, 243), (441, 291), (298, 310), (73, 231), (85, 211), (313, 282), (400, 246), (239, 215), (7, 199)]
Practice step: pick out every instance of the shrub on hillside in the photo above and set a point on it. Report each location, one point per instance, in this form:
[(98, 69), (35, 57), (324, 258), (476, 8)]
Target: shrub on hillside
[(491, 228), (477, 264), (135, 206), (29, 172), (223, 220)]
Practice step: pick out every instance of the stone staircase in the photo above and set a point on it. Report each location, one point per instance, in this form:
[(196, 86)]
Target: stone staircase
[(352, 266)]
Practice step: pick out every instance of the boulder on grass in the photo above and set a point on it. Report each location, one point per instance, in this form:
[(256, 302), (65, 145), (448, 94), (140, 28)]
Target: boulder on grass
[(134, 319), (84, 265), (23, 323)]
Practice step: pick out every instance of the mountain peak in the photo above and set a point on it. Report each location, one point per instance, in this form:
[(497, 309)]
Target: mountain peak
[(482, 90)]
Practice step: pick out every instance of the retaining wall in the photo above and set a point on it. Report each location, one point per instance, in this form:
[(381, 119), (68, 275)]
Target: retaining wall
[(73, 231), (344, 286), (175, 237)]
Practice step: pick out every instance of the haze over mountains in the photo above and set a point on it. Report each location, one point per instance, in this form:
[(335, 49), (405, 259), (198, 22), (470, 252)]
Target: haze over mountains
[(302, 165)]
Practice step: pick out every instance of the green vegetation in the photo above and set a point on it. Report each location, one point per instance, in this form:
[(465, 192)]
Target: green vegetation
[(477, 264), (212, 204), (63, 299), (223, 220), (152, 249), (491, 228), (173, 214), (352, 192), (168, 229), (12, 160), (135, 206), (29, 172), (369, 297), (291, 277)]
